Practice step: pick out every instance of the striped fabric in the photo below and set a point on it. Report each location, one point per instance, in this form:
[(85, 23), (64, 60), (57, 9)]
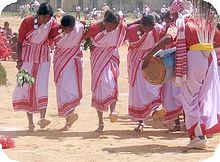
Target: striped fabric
[(181, 57), (217, 50), (61, 59), (176, 7), (35, 53), (105, 67), (35, 48), (101, 57)]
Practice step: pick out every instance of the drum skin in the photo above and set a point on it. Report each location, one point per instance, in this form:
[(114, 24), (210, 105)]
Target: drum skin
[(155, 71), (160, 68)]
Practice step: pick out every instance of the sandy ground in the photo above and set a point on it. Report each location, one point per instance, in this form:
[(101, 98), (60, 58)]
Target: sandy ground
[(118, 143)]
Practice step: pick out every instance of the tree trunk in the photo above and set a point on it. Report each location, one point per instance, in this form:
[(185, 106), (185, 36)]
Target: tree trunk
[(121, 5), (140, 4), (80, 3), (93, 4), (110, 3)]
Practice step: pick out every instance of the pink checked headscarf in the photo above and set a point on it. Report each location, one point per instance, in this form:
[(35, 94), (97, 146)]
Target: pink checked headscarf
[(181, 6), (176, 7)]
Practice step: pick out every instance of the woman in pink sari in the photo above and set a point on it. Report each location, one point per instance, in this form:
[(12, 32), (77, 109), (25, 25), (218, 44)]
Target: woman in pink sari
[(171, 92), (217, 49), (68, 69), (197, 76), (33, 56), (144, 97), (106, 38)]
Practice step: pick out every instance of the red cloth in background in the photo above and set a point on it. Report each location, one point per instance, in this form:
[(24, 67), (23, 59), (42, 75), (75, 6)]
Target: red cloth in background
[(5, 49)]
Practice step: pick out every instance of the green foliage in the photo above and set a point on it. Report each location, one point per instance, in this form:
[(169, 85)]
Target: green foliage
[(23, 77), (87, 42), (3, 75)]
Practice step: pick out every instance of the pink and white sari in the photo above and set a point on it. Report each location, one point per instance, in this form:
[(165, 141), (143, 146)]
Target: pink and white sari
[(171, 92), (105, 67), (36, 61), (143, 96), (200, 94), (68, 70), (172, 101), (217, 50)]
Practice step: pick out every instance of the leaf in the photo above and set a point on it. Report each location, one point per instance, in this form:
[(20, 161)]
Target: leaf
[(3, 75), (23, 77)]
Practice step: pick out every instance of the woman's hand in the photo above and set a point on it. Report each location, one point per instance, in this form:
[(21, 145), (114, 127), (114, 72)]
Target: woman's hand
[(147, 60), (19, 64)]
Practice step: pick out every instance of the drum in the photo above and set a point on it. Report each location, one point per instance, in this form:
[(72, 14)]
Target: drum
[(161, 67)]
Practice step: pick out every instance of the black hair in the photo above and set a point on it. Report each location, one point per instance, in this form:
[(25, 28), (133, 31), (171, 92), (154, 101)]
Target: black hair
[(44, 9), (218, 25), (158, 18), (111, 17), (148, 20), (6, 22), (68, 21), (166, 15)]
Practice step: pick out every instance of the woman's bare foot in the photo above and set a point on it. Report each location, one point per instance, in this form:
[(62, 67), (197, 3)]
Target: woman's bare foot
[(158, 114), (31, 127), (65, 128), (43, 123), (176, 128), (100, 128), (113, 117), (69, 121), (139, 128)]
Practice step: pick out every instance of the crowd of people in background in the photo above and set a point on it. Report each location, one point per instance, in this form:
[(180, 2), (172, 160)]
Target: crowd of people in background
[(28, 9), (8, 41), (90, 13)]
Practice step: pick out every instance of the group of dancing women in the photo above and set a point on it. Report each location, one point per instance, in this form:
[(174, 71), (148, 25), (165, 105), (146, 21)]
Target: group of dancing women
[(195, 89)]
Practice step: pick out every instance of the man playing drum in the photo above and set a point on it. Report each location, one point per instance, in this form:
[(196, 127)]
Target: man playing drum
[(195, 57)]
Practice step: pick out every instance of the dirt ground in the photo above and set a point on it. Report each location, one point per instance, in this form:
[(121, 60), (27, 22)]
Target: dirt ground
[(118, 143)]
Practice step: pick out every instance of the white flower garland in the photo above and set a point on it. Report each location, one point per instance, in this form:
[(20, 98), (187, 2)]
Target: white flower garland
[(139, 34), (36, 26)]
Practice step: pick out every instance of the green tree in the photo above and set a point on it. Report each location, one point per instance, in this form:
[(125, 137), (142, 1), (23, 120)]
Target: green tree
[(110, 3), (140, 4), (93, 3)]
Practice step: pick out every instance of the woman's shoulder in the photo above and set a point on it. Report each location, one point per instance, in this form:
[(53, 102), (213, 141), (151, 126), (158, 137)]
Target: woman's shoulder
[(133, 27), (96, 26), (28, 19)]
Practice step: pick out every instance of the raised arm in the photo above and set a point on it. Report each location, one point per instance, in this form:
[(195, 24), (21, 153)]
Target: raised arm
[(160, 45)]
